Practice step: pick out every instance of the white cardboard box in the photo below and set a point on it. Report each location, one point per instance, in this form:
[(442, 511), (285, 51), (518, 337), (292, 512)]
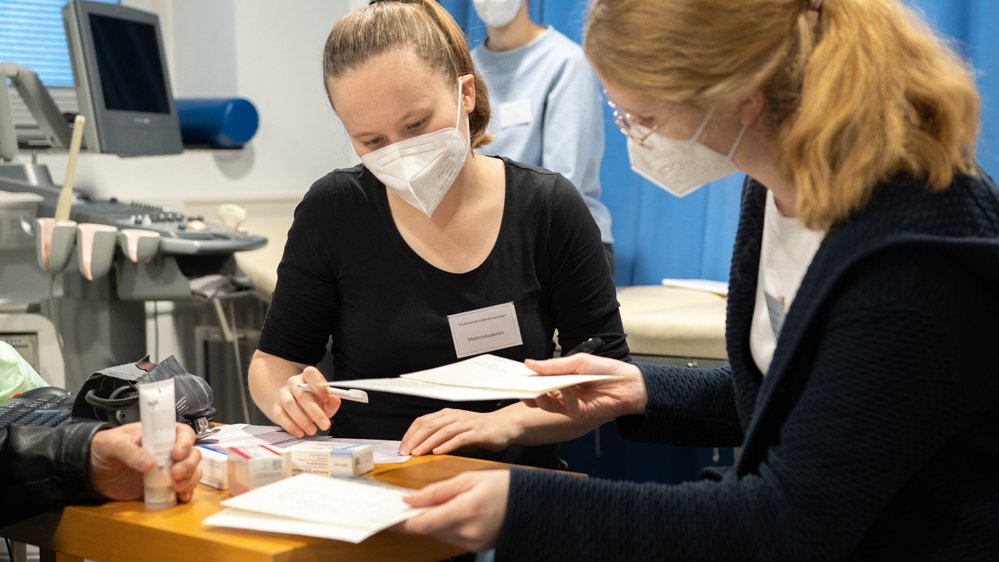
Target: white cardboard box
[(214, 469), (331, 458)]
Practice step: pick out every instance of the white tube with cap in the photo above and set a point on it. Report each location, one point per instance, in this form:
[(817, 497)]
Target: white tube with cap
[(157, 411)]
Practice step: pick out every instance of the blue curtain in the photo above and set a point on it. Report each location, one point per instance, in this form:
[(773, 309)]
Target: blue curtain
[(969, 24), (657, 235)]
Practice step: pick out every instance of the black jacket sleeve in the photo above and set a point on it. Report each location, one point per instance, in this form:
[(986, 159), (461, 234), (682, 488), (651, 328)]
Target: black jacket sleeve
[(901, 381), (43, 468), (692, 407)]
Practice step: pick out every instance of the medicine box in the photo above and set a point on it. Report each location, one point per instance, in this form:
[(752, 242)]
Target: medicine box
[(214, 468), (331, 458), (252, 466)]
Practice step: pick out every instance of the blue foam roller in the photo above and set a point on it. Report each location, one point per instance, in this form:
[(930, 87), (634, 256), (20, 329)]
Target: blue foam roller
[(220, 122)]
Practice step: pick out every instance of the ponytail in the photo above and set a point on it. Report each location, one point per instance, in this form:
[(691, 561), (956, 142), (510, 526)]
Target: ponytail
[(880, 95), (421, 26)]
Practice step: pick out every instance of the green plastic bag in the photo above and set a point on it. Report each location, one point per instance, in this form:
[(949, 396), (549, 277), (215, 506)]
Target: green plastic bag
[(16, 375)]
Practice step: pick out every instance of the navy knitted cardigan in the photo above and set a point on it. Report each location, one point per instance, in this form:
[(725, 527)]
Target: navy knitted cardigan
[(875, 434)]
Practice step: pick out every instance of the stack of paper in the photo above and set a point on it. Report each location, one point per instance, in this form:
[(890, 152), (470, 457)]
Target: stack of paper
[(345, 509), (241, 434), (485, 377)]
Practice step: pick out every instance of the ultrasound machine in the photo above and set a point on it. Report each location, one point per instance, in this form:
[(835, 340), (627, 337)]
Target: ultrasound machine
[(123, 89)]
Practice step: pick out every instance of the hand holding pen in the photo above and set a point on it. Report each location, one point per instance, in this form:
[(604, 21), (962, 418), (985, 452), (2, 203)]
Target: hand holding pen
[(298, 410), (352, 394)]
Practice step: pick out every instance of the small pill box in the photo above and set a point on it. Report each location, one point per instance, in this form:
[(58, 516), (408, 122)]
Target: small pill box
[(332, 458), (252, 466), (214, 467)]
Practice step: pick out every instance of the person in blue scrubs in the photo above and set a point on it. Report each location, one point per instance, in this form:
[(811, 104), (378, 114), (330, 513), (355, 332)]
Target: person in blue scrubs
[(546, 101)]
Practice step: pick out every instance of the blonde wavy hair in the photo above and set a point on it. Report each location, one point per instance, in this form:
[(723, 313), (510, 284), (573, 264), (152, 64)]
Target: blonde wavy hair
[(421, 26), (856, 91)]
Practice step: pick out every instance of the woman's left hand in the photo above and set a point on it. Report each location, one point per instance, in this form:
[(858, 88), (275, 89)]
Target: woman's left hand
[(449, 430), (469, 511)]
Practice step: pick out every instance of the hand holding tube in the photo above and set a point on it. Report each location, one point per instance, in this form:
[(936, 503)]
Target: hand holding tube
[(118, 461)]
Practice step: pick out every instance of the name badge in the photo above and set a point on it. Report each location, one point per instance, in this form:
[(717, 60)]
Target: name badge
[(775, 308), (484, 330), (515, 113)]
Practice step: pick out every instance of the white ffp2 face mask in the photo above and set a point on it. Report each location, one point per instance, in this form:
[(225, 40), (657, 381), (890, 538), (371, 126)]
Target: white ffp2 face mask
[(420, 170), (496, 13), (681, 166)]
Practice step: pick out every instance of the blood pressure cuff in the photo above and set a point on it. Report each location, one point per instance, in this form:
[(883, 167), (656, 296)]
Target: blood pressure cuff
[(112, 394)]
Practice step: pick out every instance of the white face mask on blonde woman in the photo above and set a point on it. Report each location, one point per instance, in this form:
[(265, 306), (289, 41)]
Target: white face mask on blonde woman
[(681, 166)]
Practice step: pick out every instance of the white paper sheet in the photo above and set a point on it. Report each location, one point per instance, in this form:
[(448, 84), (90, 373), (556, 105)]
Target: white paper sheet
[(250, 521), (705, 285), (386, 451), (486, 377), (349, 509), (431, 390)]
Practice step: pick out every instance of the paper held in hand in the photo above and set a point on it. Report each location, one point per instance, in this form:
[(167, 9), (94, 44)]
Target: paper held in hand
[(345, 509), (485, 377)]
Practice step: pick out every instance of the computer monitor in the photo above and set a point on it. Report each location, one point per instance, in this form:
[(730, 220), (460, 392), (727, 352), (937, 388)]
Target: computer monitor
[(121, 79)]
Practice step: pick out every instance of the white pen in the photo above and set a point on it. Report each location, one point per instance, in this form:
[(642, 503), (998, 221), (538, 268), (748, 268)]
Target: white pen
[(352, 394)]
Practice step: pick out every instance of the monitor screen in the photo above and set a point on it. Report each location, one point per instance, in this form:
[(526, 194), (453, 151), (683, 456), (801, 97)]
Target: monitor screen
[(121, 79), (128, 59)]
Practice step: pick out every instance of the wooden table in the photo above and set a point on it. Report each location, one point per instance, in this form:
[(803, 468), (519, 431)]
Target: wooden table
[(126, 532)]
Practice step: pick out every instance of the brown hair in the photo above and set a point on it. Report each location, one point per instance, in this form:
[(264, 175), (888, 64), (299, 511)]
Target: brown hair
[(421, 26), (856, 92)]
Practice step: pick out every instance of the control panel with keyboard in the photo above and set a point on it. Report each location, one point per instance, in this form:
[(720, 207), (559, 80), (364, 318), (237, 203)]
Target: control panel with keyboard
[(179, 233)]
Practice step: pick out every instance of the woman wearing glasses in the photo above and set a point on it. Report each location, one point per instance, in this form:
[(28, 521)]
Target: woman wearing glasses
[(864, 292)]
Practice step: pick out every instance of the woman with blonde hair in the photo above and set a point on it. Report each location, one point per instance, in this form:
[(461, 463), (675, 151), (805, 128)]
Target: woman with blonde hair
[(864, 288), (426, 253)]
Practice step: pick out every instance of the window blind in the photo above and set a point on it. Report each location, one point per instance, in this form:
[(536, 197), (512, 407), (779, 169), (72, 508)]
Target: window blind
[(32, 35)]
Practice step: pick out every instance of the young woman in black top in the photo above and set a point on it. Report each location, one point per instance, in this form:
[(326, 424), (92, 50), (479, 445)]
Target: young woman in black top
[(380, 255)]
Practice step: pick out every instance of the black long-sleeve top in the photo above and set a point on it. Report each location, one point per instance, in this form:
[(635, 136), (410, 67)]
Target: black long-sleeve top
[(348, 273), (873, 436)]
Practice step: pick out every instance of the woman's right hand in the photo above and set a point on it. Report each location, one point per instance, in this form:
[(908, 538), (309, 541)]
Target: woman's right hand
[(604, 400), (304, 412)]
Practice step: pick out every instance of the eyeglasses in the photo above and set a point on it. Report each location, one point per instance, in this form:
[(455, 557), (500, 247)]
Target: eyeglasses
[(627, 124)]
